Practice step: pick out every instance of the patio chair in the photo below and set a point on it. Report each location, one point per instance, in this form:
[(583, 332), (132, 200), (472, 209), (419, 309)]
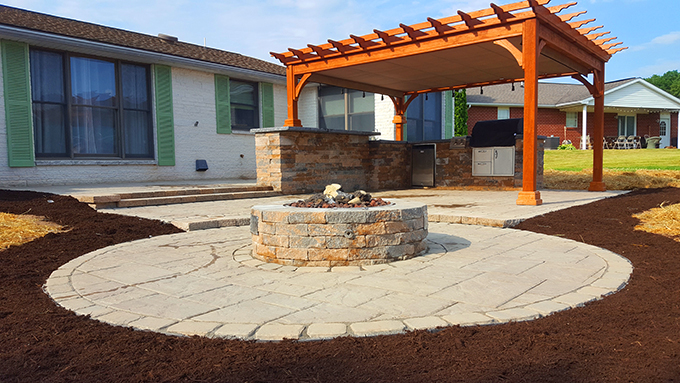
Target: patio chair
[(588, 143), (630, 142), (621, 143)]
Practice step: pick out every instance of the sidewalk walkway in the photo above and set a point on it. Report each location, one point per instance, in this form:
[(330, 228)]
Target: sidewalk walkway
[(488, 208), (206, 283)]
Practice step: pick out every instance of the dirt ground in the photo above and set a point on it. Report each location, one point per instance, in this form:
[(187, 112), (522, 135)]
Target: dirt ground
[(631, 336)]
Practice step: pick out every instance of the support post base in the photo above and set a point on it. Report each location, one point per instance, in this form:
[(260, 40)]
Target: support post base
[(292, 123), (597, 187), (531, 198)]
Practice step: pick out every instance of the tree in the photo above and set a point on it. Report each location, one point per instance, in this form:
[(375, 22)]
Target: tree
[(460, 113), (669, 81)]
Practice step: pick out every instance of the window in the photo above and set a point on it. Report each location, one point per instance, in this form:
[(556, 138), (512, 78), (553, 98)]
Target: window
[(424, 118), (572, 120), (346, 109), (244, 105), (626, 125), (503, 113), (87, 107)]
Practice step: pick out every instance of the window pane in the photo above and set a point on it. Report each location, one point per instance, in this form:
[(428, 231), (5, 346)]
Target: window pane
[(572, 120), (138, 136), (93, 131), (244, 105), (360, 104), (362, 122), (243, 92), (135, 92), (631, 126), (47, 76), (243, 118), (50, 131), (93, 82), (414, 128)]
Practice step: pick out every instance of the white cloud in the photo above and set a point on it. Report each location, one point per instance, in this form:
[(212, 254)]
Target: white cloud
[(667, 39)]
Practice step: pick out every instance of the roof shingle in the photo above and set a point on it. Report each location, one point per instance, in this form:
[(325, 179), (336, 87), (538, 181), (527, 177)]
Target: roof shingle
[(35, 21)]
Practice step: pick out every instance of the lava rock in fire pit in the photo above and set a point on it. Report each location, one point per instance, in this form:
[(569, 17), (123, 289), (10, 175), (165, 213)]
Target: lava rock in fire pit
[(332, 196)]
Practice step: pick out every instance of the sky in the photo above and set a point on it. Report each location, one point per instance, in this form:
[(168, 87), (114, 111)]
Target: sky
[(256, 27)]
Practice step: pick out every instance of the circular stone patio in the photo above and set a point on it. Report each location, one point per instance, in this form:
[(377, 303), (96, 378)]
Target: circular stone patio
[(206, 283)]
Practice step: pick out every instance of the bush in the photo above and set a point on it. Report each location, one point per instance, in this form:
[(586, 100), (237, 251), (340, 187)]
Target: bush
[(566, 147)]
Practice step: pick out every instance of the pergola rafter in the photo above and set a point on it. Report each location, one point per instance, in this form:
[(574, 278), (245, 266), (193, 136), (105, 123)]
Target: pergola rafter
[(523, 41)]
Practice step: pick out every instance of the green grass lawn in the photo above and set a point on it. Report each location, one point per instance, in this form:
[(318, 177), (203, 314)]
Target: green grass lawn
[(629, 160)]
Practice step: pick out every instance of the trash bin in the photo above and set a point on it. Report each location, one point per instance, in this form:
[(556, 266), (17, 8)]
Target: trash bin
[(652, 142)]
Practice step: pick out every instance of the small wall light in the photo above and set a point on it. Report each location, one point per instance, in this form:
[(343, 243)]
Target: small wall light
[(201, 165), (196, 123)]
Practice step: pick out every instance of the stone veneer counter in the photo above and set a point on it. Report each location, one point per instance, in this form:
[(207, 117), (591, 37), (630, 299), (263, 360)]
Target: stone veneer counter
[(338, 236)]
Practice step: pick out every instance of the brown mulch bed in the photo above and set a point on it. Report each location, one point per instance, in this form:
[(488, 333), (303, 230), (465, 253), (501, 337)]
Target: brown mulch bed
[(631, 336)]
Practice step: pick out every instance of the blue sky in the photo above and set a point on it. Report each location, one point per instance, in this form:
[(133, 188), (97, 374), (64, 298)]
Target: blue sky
[(256, 27)]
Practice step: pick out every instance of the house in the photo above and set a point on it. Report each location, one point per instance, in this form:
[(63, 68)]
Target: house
[(85, 103), (632, 107)]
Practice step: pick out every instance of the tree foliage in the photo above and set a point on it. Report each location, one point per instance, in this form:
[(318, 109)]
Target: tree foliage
[(669, 81), (460, 113)]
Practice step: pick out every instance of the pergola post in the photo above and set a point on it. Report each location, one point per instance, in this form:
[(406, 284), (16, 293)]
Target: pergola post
[(291, 89), (400, 106), (598, 130), (530, 52)]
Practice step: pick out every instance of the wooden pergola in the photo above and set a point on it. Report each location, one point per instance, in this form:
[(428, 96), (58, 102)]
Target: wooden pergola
[(524, 41)]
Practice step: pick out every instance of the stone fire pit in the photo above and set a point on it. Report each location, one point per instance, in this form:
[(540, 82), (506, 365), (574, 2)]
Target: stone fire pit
[(338, 236)]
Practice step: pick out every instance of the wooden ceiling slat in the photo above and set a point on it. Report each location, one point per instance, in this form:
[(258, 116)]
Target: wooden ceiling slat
[(320, 51), (363, 42), (585, 31), (438, 26), (571, 16), (342, 48), (602, 41), (607, 47), (411, 32), (559, 8), (594, 36), (502, 14), (470, 21), (386, 38), (612, 51), (447, 20), (579, 24)]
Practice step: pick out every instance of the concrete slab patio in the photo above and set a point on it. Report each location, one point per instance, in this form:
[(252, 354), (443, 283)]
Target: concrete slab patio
[(206, 283), (488, 208)]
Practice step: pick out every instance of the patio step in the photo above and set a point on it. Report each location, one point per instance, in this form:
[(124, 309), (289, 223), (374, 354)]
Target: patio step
[(177, 196)]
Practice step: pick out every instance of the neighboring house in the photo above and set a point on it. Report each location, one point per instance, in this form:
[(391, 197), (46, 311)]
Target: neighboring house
[(85, 103), (632, 107)]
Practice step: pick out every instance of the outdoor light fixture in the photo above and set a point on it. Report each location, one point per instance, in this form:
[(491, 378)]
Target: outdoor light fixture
[(364, 95), (425, 96), (481, 90), (382, 97), (513, 86)]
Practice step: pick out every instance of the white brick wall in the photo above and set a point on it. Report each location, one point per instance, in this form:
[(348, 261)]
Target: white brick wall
[(229, 156), (384, 115), (308, 109)]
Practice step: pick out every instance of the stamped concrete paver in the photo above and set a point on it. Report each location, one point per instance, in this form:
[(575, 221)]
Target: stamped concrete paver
[(205, 283)]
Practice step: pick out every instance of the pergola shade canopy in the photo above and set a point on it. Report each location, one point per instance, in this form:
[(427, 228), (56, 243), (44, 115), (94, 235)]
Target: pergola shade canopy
[(523, 41), (480, 48)]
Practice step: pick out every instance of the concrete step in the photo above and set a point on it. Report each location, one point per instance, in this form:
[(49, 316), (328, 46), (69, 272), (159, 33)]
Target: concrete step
[(168, 200), (176, 196)]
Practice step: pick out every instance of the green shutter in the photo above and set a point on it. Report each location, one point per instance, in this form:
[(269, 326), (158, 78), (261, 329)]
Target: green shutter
[(222, 104), (267, 105), (18, 107), (165, 122), (448, 114)]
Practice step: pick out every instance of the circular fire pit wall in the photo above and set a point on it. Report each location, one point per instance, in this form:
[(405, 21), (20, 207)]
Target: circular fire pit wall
[(339, 236)]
